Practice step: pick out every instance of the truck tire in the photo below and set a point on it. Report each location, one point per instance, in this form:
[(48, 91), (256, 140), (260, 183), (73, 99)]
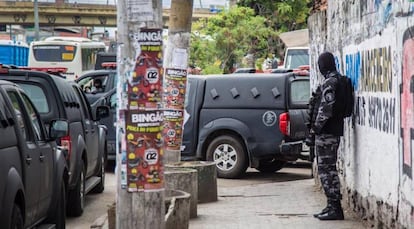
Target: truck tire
[(60, 218), (229, 155), (100, 187), (76, 200), (270, 166), (17, 218)]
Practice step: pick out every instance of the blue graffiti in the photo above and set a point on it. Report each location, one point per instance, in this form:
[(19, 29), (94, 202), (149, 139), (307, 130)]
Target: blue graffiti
[(387, 13), (377, 4), (338, 64), (353, 68)]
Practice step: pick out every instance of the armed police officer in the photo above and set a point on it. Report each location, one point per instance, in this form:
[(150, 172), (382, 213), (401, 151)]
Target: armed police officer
[(328, 128)]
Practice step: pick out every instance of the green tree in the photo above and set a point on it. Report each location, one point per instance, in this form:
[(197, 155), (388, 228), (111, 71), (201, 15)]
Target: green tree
[(282, 15), (223, 40)]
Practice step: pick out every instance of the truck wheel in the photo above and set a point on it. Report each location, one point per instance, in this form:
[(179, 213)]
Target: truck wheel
[(76, 200), (229, 155), (101, 186), (17, 218), (270, 166)]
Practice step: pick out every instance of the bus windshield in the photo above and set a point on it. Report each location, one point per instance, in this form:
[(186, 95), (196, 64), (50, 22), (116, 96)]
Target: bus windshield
[(54, 53), (76, 54)]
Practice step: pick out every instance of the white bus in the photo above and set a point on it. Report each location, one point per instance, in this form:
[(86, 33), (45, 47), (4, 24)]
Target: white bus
[(77, 54)]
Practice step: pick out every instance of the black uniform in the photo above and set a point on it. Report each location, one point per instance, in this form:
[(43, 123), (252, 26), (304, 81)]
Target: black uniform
[(328, 127)]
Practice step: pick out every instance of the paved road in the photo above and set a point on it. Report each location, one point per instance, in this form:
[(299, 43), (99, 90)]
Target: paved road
[(286, 198), (268, 205), (95, 204)]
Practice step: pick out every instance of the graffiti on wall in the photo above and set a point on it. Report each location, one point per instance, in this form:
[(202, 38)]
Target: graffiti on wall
[(377, 113), (381, 114), (370, 70), (371, 6), (376, 70), (353, 68), (379, 12), (407, 100)]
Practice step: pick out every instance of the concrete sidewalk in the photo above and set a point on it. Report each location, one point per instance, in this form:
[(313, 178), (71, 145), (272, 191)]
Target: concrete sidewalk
[(272, 205)]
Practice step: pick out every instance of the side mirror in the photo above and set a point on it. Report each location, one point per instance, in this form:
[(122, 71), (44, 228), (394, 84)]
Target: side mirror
[(58, 129), (101, 112)]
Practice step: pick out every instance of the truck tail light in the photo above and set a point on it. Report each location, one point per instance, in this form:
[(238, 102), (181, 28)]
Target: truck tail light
[(284, 123), (66, 143)]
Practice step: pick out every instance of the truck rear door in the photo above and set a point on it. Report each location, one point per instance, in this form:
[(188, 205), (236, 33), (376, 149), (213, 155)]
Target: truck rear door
[(299, 94), (192, 106)]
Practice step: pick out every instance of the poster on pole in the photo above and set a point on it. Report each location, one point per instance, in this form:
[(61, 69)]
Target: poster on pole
[(172, 129), (144, 150), (144, 87), (174, 88)]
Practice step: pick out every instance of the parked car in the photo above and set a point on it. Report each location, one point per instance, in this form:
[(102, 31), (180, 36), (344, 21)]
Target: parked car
[(33, 170), (56, 98), (241, 120), (104, 97)]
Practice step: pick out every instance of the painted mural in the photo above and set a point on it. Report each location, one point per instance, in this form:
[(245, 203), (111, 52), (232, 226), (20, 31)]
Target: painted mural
[(407, 100)]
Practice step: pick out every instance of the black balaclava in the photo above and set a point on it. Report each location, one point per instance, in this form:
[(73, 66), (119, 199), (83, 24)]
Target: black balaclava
[(326, 63)]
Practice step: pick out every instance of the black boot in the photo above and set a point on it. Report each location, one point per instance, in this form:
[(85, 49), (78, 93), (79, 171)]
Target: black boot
[(334, 213), (325, 210)]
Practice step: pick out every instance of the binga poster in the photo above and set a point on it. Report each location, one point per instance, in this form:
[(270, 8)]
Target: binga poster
[(144, 150), (144, 90), (174, 89), (172, 129), (142, 158)]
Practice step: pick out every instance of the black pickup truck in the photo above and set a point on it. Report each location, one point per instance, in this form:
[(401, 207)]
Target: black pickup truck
[(241, 120), (33, 170), (56, 98)]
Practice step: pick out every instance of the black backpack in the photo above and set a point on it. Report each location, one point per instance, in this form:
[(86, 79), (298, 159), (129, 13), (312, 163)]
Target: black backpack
[(345, 92)]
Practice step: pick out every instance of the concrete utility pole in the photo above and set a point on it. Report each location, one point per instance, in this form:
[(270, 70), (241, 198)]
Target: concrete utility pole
[(36, 19), (140, 176), (176, 63)]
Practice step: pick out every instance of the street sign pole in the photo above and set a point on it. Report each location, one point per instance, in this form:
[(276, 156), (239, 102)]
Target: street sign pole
[(139, 168)]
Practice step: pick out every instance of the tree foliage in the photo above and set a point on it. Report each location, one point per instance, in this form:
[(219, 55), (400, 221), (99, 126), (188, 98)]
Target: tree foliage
[(282, 15), (223, 40)]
